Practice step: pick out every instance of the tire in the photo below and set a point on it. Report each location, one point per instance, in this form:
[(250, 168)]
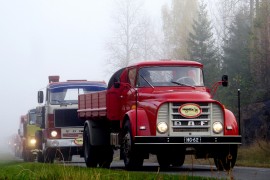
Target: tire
[(132, 157), (40, 157), (105, 157), (226, 159), (179, 159), (48, 156), (163, 160), (90, 152)]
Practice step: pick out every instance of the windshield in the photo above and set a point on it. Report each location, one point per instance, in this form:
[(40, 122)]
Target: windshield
[(69, 94), (32, 118), (170, 76)]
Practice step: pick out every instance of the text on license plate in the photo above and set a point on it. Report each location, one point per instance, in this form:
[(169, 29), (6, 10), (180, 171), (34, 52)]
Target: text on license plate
[(192, 139)]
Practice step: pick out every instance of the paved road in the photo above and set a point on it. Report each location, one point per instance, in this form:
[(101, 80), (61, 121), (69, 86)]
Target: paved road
[(238, 173)]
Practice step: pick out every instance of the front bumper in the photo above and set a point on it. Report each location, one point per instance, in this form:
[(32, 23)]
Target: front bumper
[(192, 140), (61, 143)]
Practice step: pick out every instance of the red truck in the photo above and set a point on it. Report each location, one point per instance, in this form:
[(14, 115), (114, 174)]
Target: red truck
[(161, 108), (61, 131)]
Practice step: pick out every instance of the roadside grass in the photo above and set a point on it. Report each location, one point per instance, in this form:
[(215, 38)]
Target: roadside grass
[(255, 155), (29, 171)]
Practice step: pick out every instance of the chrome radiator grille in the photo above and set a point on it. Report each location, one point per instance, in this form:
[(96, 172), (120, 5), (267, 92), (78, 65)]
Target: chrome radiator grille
[(200, 124)]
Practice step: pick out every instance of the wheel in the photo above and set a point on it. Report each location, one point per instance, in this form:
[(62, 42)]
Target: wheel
[(179, 158), (186, 80), (226, 159), (163, 160), (48, 156), (40, 157), (90, 152), (105, 156), (132, 159)]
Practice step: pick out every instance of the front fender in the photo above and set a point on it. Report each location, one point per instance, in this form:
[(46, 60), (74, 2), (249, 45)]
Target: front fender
[(142, 124), (230, 121)]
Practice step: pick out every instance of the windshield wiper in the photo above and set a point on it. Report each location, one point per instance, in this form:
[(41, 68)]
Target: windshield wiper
[(182, 84)]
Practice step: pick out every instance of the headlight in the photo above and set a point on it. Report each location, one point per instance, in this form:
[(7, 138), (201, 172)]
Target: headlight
[(33, 141), (54, 133), (217, 127), (162, 127)]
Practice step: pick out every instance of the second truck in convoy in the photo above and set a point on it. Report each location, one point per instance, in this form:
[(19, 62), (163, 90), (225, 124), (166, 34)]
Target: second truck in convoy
[(61, 131), (162, 108)]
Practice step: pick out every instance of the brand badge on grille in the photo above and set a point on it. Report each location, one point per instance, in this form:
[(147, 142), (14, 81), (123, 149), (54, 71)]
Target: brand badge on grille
[(190, 110)]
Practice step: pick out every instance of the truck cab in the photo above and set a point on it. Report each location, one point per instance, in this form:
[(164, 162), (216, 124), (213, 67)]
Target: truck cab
[(61, 134)]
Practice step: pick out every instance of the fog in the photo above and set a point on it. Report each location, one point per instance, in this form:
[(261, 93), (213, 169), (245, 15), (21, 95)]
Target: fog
[(39, 38)]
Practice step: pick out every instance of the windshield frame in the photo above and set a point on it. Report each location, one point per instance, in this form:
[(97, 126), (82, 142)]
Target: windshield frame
[(57, 94), (164, 76)]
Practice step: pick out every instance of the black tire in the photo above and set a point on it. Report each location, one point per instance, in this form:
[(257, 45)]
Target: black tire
[(179, 159), (163, 160), (226, 159), (133, 158), (90, 152), (48, 156), (105, 157), (40, 157)]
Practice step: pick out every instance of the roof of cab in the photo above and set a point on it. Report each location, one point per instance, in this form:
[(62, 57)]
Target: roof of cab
[(79, 83), (168, 62)]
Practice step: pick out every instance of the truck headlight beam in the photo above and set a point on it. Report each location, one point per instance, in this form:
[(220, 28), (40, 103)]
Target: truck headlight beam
[(162, 127)]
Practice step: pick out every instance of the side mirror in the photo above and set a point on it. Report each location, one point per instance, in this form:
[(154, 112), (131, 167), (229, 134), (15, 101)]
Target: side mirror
[(116, 83), (224, 80), (40, 97)]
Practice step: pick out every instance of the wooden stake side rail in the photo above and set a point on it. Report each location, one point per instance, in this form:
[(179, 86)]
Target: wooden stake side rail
[(92, 105)]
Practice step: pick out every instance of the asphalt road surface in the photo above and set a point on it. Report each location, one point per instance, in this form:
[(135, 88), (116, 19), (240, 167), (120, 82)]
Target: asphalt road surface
[(238, 173)]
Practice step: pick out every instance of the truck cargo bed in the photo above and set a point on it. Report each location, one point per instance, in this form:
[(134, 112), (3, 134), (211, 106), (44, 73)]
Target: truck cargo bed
[(92, 105)]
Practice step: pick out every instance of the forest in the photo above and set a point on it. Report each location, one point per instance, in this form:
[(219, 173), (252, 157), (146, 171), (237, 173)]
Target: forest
[(230, 37)]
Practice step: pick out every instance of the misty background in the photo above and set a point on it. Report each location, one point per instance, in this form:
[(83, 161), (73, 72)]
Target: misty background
[(89, 39), (51, 37)]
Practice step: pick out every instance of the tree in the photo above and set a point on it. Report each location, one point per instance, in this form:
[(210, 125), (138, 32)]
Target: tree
[(260, 63), (236, 60), (177, 24), (134, 36), (123, 46), (202, 46)]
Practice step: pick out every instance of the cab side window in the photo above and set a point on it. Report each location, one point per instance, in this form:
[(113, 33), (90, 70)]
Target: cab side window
[(132, 76)]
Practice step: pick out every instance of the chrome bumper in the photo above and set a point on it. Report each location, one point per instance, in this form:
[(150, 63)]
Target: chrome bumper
[(58, 143)]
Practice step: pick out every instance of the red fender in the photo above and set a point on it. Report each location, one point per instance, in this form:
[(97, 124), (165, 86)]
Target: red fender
[(230, 121), (142, 122)]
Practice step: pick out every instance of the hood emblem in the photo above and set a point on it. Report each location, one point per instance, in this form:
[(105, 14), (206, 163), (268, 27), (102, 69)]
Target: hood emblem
[(190, 110)]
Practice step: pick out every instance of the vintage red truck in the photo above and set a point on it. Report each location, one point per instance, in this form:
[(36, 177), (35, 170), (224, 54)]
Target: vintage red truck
[(161, 108), (61, 131)]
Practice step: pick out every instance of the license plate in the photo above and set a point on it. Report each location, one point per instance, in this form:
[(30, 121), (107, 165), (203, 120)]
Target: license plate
[(71, 132), (192, 140)]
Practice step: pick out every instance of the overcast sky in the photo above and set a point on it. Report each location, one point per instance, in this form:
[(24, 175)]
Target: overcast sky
[(39, 38)]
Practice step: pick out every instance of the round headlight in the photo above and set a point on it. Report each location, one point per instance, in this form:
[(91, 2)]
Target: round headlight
[(54, 133), (33, 141), (217, 127), (162, 127)]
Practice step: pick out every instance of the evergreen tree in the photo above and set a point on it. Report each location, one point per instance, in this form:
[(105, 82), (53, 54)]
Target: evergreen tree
[(202, 45), (236, 60)]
